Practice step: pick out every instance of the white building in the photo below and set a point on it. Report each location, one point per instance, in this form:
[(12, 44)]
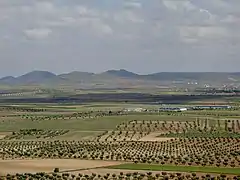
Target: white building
[(176, 109), (135, 110)]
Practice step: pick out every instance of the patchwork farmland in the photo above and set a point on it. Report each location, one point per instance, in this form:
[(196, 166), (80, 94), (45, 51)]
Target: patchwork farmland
[(102, 141)]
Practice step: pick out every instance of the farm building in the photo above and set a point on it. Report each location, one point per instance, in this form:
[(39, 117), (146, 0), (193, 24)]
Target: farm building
[(135, 110), (213, 107), (176, 109)]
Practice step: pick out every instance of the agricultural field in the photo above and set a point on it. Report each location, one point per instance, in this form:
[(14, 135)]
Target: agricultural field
[(104, 141)]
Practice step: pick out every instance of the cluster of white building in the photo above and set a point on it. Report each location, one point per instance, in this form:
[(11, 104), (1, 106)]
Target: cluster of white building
[(213, 107), (181, 109), (201, 107)]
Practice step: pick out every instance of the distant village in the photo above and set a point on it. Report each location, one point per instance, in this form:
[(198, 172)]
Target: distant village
[(181, 109)]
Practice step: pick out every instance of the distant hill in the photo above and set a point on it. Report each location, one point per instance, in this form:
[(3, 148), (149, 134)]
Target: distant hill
[(118, 78), (8, 79), (122, 73), (77, 76), (36, 77), (191, 76), (29, 78)]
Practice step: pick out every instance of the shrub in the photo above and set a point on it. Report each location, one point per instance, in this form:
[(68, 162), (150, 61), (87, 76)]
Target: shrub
[(56, 170)]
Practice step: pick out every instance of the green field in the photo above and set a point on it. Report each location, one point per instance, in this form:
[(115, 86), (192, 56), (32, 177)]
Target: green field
[(95, 124), (150, 167)]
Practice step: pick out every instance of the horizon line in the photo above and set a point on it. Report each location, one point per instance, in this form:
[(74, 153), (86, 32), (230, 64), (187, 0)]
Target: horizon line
[(58, 74)]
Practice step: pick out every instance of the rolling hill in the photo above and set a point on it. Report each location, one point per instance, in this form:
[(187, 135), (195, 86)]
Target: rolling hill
[(122, 73), (192, 76), (35, 77), (119, 78)]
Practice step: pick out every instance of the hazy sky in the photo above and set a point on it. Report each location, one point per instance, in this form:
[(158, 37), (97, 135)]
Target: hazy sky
[(139, 35)]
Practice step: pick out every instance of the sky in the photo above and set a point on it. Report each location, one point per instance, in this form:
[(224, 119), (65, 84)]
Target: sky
[(143, 36)]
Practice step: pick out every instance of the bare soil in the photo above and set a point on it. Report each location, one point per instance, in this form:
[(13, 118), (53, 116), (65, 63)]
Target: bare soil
[(48, 165), (73, 166), (3, 134)]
